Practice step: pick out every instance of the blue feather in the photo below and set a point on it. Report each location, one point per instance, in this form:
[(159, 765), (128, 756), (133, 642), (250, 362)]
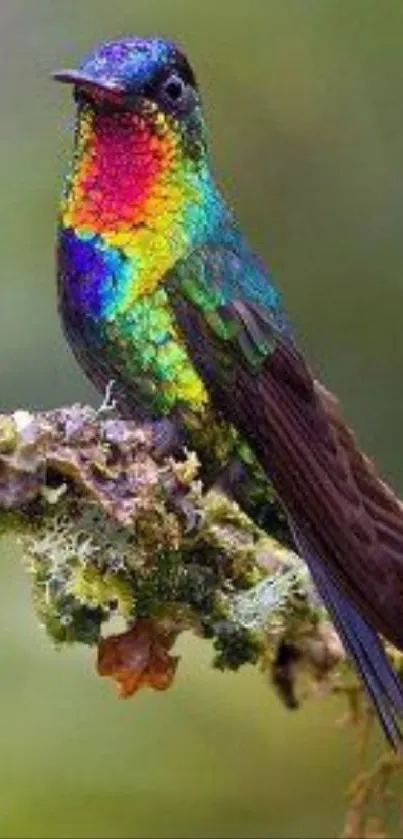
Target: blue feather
[(361, 643)]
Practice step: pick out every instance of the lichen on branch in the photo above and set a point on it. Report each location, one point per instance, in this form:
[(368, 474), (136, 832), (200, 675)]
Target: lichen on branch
[(110, 531), (126, 550)]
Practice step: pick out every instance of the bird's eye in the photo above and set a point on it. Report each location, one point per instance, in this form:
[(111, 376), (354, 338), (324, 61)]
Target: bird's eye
[(174, 88)]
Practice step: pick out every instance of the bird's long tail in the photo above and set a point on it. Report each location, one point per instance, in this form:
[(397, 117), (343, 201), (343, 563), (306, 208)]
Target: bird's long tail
[(348, 524), (362, 645)]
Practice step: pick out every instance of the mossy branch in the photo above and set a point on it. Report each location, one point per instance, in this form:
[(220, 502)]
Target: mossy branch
[(112, 530), (116, 536)]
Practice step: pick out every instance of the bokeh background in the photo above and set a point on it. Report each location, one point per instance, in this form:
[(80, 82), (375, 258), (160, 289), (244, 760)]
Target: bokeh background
[(305, 105)]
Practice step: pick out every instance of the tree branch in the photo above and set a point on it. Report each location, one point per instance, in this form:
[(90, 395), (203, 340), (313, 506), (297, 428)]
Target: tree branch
[(116, 538), (110, 531)]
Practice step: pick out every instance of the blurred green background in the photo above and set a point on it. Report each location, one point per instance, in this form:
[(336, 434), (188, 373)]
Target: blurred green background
[(305, 105)]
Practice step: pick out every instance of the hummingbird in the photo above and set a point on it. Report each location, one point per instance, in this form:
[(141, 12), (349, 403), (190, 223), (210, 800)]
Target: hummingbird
[(159, 290)]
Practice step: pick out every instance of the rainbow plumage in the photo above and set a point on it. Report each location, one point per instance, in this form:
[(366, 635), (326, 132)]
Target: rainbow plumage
[(132, 206), (160, 291)]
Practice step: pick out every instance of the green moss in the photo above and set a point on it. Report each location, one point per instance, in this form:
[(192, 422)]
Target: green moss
[(235, 646), (97, 589), (8, 435)]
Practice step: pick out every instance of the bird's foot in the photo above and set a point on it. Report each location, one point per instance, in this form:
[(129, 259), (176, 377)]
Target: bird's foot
[(108, 404)]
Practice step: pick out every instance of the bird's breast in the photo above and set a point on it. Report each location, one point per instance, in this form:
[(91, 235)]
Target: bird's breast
[(137, 342)]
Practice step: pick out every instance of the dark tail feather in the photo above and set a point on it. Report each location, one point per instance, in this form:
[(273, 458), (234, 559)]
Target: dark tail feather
[(362, 644)]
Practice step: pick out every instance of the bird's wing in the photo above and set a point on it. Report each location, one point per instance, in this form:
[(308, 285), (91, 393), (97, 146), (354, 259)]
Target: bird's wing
[(260, 382), (347, 523)]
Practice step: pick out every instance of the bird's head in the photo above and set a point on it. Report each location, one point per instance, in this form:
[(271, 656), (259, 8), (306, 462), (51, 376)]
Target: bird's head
[(140, 139), (149, 78)]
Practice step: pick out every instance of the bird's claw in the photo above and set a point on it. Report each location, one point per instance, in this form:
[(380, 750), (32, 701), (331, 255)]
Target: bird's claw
[(108, 404)]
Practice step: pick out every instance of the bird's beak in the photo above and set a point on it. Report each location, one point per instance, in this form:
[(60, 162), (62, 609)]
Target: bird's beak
[(103, 87)]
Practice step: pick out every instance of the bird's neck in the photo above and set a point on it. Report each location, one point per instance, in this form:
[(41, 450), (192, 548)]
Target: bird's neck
[(133, 186)]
